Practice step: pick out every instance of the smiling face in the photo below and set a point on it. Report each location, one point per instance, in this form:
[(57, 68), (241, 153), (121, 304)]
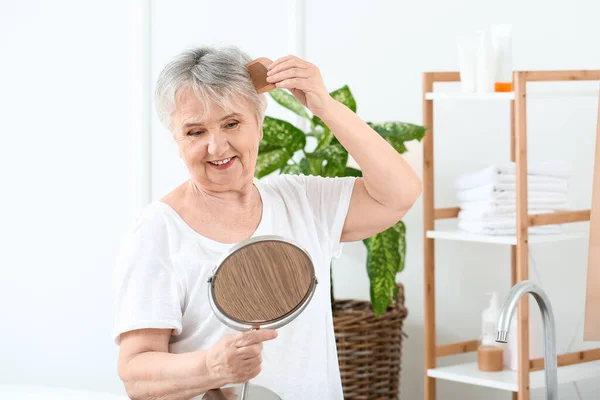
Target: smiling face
[(219, 147)]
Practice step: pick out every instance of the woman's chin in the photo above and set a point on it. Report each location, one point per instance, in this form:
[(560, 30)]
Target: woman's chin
[(233, 177)]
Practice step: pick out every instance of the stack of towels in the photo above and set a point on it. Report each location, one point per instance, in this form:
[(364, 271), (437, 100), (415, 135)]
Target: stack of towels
[(488, 202)]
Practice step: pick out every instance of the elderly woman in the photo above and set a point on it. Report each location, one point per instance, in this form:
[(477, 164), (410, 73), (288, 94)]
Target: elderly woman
[(171, 344)]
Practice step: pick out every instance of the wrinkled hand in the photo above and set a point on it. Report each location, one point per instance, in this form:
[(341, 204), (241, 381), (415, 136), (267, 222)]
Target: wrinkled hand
[(301, 78), (237, 358)]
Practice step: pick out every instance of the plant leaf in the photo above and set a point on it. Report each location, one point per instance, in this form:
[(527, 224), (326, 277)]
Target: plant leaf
[(385, 258), (289, 101), (264, 147), (291, 169), (334, 169), (271, 161), (314, 164), (353, 172), (325, 138), (397, 144), (404, 130), (344, 96), (400, 227), (318, 121), (396, 133), (336, 157), (277, 132), (305, 166)]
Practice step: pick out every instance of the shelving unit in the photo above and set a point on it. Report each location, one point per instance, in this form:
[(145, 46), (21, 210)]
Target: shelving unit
[(530, 375)]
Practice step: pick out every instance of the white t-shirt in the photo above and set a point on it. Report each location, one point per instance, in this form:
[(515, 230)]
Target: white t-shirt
[(162, 272)]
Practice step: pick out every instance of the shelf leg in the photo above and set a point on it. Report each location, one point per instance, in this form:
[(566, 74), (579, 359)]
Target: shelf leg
[(428, 243), (522, 269), (513, 249)]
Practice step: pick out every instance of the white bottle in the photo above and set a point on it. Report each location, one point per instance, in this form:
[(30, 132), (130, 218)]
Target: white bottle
[(485, 63), (511, 348), (489, 322)]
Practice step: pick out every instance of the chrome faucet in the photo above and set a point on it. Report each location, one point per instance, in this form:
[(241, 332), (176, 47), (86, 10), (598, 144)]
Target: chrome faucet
[(508, 309)]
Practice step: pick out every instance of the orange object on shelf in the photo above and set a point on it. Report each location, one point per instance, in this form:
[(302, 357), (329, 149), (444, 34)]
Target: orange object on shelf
[(490, 358), (503, 87)]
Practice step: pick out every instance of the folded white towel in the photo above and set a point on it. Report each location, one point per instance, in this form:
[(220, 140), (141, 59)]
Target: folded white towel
[(559, 185), (492, 192), (556, 168), (483, 229), (512, 178), (547, 172), (491, 176), (506, 206), (493, 217)]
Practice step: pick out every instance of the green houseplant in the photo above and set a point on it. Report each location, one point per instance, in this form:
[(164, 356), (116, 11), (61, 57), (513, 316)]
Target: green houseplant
[(327, 157)]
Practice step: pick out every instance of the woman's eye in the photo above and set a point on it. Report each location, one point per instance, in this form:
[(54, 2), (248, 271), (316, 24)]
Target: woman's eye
[(232, 125), (195, 133)]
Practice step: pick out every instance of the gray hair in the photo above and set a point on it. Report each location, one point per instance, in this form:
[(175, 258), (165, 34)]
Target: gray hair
[(215, 75)]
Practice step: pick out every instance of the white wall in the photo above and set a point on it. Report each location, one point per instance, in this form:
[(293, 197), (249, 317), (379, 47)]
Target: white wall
[(65, 201), (66, 154)]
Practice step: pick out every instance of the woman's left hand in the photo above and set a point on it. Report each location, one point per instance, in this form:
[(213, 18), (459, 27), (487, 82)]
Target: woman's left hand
[(301, 78)]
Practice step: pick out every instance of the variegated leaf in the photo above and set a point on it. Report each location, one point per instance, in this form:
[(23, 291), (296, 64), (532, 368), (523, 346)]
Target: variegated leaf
[(385, 257), (271, 161), (283, 134), (397, 133), (291, 169), (289, 101)]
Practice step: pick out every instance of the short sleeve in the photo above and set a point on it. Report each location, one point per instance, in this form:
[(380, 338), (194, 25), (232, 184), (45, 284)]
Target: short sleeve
[(147, 291), (329, 201)]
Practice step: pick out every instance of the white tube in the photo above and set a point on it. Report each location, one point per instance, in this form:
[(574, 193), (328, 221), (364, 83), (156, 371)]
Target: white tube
[(467, 62), (485, 63), (502, 43)]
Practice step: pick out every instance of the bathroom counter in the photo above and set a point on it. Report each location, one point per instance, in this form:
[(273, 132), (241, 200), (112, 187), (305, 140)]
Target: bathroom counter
[(50, 393)]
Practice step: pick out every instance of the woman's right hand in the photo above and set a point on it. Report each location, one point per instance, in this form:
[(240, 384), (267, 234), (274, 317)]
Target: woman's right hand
[(237, 358)]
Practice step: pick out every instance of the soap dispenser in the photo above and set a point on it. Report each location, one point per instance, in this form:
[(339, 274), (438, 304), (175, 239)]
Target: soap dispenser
[(489, 321), (490, 353)]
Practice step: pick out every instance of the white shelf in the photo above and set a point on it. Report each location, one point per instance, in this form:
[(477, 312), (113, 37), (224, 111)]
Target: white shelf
[(470, 374), (469, 96), (508, 95), (456, 234)]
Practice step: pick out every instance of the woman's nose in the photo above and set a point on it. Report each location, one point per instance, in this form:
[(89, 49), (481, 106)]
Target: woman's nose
[(217, 144)]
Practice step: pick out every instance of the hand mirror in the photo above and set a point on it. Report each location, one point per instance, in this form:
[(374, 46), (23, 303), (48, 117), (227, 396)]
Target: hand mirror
[(264, 282)]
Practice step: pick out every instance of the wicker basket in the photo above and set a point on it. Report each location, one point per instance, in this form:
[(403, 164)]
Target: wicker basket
[(369, 348)]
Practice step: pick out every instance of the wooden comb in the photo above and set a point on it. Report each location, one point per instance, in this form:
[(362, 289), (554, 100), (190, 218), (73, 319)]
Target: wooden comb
[(258, 74)]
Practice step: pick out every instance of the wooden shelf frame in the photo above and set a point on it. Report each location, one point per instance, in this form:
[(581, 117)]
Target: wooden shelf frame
[(519, 251)]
